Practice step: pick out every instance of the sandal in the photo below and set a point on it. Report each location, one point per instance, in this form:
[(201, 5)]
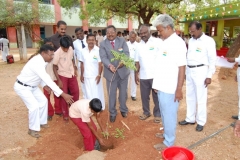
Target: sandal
[(66, 119), (160, 146), (159, 135), (143, 116), (157, 119), (33, 133)]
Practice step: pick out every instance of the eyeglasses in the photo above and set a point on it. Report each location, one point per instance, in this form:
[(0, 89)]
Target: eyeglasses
[(112, 32), (51, 55), (192, 31)]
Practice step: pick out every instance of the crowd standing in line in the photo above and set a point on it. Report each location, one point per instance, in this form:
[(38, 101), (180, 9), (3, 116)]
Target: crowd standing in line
[(160, 70)]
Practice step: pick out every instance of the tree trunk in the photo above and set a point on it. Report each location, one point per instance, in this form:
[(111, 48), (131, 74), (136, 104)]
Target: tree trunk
[(19, 38), (234, 48), (24, 45)]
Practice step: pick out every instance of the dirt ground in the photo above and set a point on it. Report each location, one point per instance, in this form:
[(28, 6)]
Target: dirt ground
[(64, 142)]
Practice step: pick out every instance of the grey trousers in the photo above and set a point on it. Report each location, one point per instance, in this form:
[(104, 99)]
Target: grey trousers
[(120, 84), (145, 89)]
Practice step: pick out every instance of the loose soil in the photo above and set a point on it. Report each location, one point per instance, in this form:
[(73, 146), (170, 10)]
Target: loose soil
[(63, 141)]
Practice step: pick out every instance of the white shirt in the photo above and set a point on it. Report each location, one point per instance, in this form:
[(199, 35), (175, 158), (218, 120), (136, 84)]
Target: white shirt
[(78, 49), (99, 39), (172, 55), (202, 51), (34, 73), (90, 61), (132, 48), (146, 55), (4, 41)]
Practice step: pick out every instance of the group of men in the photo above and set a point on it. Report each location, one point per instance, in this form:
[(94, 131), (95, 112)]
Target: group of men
[(161, 64)]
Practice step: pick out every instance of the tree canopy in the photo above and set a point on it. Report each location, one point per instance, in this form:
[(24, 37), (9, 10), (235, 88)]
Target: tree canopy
[(99, 11)]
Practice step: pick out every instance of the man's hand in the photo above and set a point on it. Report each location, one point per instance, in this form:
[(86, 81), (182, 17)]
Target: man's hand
[(156, 91), (231, 60), (101, 141), (75, 71), (98, 79), (82, 78), (178, 95), (207, 81), (237, 129), (137, 80), (60, 84), (112, 68), (67, 98), (48, 89)]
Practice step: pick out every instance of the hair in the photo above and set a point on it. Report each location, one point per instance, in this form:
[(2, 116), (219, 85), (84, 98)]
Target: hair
[(95, 32), (95, 104), (133, 32), (111, 26), (99, 31), (85, 32), (46, 40), (90, 35), (119, 32), (61, 23), (196, 23), (144, 25), (78, 29), (65, 42), (45, 48), (164, 20)]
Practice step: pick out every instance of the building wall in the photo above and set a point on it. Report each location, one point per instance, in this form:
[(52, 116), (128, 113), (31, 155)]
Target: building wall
[(74, 20)]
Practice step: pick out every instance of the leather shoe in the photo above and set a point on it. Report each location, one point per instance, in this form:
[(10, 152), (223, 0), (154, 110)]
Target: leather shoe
[(134, 98), (199, 128), (235, 117), (112, 118), (124, 114), (185, 123)]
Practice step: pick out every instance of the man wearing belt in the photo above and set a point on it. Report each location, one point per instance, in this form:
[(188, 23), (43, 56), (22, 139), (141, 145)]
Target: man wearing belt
[(26, 86), (238, 80), (201, 58)]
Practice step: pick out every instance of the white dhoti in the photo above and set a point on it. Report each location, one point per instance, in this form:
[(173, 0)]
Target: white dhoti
[(36, 103), (94, 90), (5, 53), (196, 95), (238, 79), (132, 83)]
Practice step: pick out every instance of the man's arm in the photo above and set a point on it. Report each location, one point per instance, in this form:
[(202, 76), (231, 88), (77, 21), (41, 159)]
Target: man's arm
[(100, 68), (181, 77), (55, 68), (82, 72), (137, 73), (103, 54)]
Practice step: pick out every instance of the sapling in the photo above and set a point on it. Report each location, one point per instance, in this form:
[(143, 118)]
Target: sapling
[(118, 133), (128, 63)]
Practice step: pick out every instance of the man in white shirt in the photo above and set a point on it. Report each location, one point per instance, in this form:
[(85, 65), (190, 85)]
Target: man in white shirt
[(201, 59), (99, 38), (91, 71), (169, 77), (79, 44), (145, 57), (5, 47), (132, 45), (1, 53), (26, 86)]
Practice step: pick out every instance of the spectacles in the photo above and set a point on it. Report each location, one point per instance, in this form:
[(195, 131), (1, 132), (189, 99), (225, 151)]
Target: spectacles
[(192, 31), (51, 55), (112, 32)]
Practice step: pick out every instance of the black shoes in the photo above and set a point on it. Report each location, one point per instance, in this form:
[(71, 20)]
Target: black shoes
[(112, 118), (199, 128), (235, 117), (49, 118), (185, 123), (124, 114), (134, 98)]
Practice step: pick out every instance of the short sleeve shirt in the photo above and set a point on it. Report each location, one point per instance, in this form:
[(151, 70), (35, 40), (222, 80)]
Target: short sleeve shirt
[(146, 55), (90, 61), (64, 62), (171, 56), (81, 109)]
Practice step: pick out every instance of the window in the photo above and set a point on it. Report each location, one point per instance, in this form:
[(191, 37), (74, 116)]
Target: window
[(45, 1), (211, 28)]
